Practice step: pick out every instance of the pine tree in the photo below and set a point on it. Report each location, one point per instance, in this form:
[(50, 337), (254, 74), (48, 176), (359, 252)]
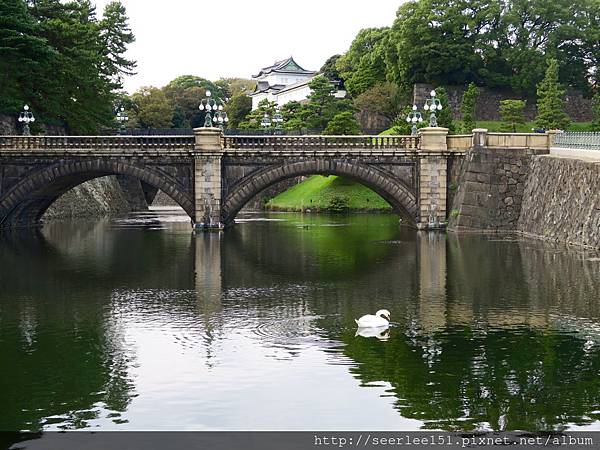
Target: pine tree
[(343, 123), (551, 107), (116, 36), (445, 116), (24, 56), (511, 114), (469, 101)]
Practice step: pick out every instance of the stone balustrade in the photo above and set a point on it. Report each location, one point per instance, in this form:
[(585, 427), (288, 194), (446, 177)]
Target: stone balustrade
[(519, 140), (303, 143), (95, 143)]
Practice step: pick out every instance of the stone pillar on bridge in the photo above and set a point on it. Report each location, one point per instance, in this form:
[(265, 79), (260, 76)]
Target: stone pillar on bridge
[(207, 178), (433, 178)]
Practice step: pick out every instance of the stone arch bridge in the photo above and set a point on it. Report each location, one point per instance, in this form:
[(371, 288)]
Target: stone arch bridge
[(212, 176)]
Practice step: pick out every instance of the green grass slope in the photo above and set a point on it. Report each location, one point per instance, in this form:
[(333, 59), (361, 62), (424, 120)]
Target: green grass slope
[(333, 193)]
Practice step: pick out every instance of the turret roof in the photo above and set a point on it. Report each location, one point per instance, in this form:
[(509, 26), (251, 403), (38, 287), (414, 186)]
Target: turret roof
[(285, 66)]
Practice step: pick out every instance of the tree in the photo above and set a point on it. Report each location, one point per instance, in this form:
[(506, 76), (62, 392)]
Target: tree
[(343, 123), (445, 116), (363, 65), (330, 70), (469, 102), (151, 108), (383, 99), (551, 107), (254, 119), (493, 43), (322, 105), (511, 114), (116, 36), (230, 87), (24, 56), (237, 109), (596, 110)]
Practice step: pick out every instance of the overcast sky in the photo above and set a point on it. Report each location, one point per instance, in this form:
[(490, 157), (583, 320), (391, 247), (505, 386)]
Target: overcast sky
[(235, 38)]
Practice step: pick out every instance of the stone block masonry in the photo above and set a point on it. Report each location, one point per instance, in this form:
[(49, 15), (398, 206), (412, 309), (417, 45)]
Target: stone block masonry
[(490, 194), (562, 201)]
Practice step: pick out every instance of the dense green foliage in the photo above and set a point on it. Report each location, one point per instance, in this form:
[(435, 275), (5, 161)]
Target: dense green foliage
[(363, 65), (332, 193), (493, 43), (467, 108), (551, 108), (343, 123), (511, 113), (238, 108), (63, 61), (382, 98), (445, 116)]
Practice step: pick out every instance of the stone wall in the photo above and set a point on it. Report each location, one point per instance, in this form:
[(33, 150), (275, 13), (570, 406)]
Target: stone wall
[(491, 189), (371, 122), (562, 201), (94, 199), (577, 106)]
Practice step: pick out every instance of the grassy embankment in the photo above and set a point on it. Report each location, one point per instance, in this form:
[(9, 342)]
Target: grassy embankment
[(332, 194)]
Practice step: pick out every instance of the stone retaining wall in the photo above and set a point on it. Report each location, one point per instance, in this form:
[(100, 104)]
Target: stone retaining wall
[(94, 199), (490, 193), (562, 201)]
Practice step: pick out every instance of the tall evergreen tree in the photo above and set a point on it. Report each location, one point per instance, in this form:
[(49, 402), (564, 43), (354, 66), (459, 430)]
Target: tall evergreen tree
[(116, 35), (25, 57), (469, 101), (551, 108)]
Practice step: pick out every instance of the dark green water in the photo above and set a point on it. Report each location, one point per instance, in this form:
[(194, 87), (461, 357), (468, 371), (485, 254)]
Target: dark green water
[(138, 324)]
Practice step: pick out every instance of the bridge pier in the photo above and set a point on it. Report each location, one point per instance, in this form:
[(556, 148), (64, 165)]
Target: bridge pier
[(208, 154), (433, 178)]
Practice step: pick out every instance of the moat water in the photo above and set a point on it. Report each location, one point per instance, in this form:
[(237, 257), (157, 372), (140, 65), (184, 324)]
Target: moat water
[(138, 324)]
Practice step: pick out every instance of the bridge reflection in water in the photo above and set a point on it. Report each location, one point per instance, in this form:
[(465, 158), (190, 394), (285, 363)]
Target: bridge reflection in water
[(131, 328)]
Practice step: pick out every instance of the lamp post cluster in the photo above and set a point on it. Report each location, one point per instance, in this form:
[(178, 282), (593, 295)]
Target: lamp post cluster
[(414, 117), (122, 118), (277, 119), (215, 115), (26, 117), (432, 105)]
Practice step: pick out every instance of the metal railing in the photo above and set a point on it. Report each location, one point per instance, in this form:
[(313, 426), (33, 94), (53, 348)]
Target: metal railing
[(300, 143), (92, 143), (578, 140)]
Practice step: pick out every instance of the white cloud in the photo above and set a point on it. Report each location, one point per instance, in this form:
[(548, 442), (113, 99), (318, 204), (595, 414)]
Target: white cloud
[(235, 38)]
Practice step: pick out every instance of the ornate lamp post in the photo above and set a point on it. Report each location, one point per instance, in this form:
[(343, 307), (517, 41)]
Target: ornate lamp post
[(432, 104), (278, 119), (414, 117), (208, 104), (26, 117), (265, 122), (122, 118), (220, 118)]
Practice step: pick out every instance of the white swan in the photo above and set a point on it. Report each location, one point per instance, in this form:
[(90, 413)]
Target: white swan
[(380, 319)]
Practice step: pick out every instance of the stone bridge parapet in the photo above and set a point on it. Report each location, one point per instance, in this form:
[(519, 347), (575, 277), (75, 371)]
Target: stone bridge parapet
[(213, 176)]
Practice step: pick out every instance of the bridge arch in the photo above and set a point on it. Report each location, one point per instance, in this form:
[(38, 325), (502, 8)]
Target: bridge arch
[(26, 202), (401, 197)]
